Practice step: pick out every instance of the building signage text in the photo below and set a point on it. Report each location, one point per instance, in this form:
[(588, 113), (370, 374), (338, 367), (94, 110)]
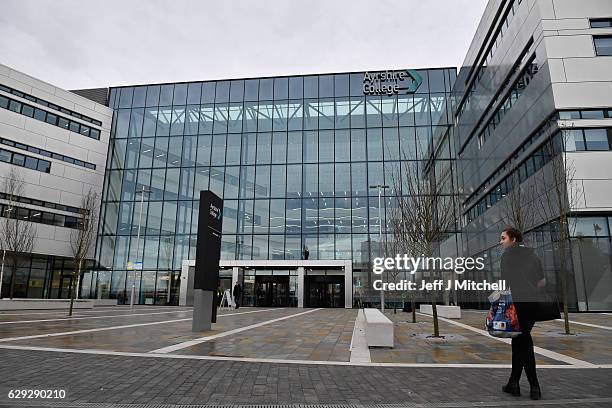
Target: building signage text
[(391, 82)]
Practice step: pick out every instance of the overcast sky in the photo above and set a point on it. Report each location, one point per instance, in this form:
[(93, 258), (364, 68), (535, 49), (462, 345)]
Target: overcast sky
[(86, 44)]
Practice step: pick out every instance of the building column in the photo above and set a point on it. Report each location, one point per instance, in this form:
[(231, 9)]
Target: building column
[(234, 277), (348, 284), (300, 286)]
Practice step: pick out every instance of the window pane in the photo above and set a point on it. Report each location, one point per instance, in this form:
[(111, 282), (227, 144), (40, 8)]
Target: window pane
[(194, 90), (140, 93), (222, 92), (326, 145), (326, 86), (342, 146), (596, 139), (281, 88), (603, 45), (311, 87), (279, 147), (236, 91), (374, 137), (165, 96), (296, 88), (266, 89), (251, 89), (153, 95), (208, 92), (180, 94)]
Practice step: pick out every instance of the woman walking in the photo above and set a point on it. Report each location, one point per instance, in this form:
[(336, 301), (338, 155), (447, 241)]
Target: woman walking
[(522, 270)]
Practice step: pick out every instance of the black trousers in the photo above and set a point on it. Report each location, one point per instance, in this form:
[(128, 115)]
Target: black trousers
[(523, 356)]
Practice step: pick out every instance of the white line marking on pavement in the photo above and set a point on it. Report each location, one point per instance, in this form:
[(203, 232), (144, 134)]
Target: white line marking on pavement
[(282, 361), (126, 326), (70, 333), (360, 353), (539, 350), (587, 324), (64, 311), (95, 317), (190, 343)]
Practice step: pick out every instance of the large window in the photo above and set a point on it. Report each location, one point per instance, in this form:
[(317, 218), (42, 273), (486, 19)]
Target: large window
[(603, 45)]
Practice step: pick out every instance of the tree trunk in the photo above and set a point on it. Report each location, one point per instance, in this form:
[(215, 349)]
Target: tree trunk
[(413, 307), (564, 289), (434, 311), (12, 283), (75, 275)]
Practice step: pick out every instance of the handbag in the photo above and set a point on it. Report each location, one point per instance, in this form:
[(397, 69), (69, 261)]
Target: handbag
[(502, 320), (547, 309)]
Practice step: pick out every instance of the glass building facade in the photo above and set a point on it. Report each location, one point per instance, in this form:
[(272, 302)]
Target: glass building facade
[(292, 158)]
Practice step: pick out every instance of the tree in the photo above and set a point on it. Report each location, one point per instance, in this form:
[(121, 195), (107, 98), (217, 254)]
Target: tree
[(519, 204), (423, 218), (81, 239), (559, 194), (17, 234)]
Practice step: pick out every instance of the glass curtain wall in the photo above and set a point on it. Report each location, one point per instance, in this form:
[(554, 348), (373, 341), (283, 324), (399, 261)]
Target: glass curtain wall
[(292, 158)]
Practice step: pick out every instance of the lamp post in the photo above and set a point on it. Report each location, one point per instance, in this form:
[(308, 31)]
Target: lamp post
[(142, 192), (380, 188)]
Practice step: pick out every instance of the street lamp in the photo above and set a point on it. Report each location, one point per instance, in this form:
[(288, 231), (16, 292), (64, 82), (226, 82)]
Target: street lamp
[(142, 192), (380, 188)]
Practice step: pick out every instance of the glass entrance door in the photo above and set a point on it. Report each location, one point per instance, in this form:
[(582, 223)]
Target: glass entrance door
[(272, 291), (324, 291)]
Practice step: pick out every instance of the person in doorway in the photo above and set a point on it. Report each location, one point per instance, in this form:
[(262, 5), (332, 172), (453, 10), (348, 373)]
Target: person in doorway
[(219, 294), (237, 293), (522, 270)]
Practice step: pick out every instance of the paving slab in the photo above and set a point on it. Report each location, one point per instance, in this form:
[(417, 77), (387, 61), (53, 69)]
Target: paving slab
[(89, 378), (140, 338), (414, 344), (324, 335), (590, 344)]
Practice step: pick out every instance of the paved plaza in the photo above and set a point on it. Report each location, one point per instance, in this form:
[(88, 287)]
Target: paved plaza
[(149, 355)]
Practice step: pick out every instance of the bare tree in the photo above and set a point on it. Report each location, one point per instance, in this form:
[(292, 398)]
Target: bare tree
[(82, 238), (559, 194), (17, 234), (424, 216), (519, 205)]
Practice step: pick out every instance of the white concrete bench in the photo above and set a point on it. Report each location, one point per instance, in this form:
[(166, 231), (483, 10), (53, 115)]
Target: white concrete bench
[(379, 329), (451, 312)]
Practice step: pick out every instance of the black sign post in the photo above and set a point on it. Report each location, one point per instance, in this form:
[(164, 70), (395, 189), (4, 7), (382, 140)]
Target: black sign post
[(208, 253)]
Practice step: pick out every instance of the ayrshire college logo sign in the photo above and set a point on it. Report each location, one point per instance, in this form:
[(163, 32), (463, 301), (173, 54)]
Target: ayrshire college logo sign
[(215, 212), (391, 82)]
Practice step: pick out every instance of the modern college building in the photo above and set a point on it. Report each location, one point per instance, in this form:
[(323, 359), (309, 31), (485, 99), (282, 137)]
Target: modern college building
[(297, 161), (292, 158), (56, 141)]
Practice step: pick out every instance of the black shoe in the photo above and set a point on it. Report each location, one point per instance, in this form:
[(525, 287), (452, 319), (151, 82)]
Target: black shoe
[(535, 393), (513, 389)]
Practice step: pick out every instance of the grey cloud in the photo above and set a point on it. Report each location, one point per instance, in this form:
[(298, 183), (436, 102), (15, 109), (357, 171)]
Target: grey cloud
[(80, 44)]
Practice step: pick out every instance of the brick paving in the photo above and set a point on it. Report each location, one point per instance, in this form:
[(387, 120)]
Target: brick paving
[(324, 335), (413, 344), (89, 378)]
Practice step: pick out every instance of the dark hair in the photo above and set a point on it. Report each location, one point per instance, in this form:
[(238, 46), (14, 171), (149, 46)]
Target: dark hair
[(514, 233)]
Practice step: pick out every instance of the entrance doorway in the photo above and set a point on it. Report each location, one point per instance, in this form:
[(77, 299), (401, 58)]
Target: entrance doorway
[(225, 283), (271, 290), (324, 291)]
